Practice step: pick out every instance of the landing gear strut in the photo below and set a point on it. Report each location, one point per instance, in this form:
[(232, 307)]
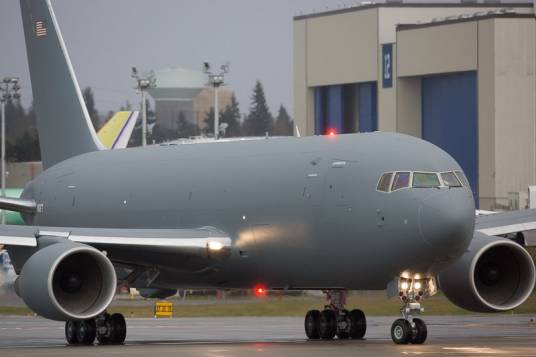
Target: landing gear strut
[(335, 320), (107, 329), (409, 329)]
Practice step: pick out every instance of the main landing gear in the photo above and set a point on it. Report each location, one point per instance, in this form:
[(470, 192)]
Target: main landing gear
[(107, 329), (409, 329), (335, 320)]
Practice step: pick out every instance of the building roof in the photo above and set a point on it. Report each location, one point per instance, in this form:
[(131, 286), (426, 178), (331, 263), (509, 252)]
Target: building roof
[(366, 6), (462, 18)]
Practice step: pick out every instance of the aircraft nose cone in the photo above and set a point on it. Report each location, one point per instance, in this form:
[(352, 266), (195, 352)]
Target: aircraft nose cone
[(447, 219)]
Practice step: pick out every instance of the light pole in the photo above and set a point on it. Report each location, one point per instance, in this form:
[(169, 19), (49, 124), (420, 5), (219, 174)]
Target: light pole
[(216, 81), (9, 88), (142, 84)]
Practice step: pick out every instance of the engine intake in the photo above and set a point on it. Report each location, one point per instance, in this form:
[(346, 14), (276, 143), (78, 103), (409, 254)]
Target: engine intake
[(67, 281), (494, 275)]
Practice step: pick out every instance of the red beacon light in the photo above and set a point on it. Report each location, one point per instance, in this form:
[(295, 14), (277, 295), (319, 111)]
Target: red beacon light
[(332, 132), (259, 290)]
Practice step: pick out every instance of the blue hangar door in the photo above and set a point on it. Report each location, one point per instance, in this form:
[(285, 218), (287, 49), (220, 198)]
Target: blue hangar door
[(450, 117), (346, 108)]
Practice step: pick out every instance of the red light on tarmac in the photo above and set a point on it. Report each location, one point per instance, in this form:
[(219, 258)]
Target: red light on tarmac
[(259, 291)]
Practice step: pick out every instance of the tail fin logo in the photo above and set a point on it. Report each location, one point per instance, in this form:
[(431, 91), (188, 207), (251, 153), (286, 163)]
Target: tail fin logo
[(40, 28)]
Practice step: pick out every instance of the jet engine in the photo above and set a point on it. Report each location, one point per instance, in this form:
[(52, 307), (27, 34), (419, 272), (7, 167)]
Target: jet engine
[(67, 281), (493, 275)]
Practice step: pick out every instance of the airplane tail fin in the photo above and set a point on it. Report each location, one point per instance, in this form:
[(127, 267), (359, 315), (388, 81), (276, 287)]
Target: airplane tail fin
[(63, 123)]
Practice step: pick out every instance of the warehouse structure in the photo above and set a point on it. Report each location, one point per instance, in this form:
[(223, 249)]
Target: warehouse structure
[(459, 75)]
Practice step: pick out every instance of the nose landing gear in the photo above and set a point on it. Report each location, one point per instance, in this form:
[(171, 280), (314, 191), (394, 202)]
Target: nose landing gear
[(411, 292), (335, 320)]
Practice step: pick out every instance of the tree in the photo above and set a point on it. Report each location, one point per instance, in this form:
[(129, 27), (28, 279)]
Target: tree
[(231, 116), (283, 123), (260, 120), (26, 147), (209, 122), (89, 99), (185, 128)]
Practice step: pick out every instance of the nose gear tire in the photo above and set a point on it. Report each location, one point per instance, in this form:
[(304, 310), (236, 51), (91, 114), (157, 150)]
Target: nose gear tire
[(401, 332)]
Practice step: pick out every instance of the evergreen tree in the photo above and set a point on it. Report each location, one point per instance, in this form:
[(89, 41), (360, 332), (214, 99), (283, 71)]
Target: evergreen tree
[(89, 99), (231, 116), (260, 120), (26, 148), (209, 122), (23, 146), (185, 129), (283, 123)]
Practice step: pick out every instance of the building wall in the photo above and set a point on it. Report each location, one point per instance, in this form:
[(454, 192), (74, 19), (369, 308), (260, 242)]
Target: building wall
[(319, 60), (437, 49), (345, 47), (486, 114), (302, 93), (388, 101), (408, 106), (205, 101), (168, 111), (335, 48), (515, 115)]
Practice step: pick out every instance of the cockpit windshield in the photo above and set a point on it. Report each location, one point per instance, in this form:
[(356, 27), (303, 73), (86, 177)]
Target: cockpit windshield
[(425, 180), (450, 179), (385, 181), (462, 178), (398, 180)]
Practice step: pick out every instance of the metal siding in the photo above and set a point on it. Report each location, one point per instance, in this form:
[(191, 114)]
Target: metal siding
[(368, 116), (450, 117)]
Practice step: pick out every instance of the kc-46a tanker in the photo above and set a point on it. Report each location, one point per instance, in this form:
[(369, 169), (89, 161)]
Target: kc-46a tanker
[(367, 211)]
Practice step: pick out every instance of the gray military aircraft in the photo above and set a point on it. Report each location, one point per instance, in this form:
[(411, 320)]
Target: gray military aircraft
[(332, 213)]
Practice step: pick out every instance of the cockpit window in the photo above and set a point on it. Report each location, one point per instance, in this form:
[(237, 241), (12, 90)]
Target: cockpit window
[(449, 179), (462, 178), (385, 181), (425, 180), (401, 180)]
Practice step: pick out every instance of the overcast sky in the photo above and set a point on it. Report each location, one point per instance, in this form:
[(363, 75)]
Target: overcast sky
[(106, 37)]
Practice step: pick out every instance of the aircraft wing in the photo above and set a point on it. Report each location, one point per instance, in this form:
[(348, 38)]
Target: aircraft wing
[(188, 249), (502, 223)]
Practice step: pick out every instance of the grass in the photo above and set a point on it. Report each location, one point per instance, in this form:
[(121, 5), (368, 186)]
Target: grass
[(374, 304)]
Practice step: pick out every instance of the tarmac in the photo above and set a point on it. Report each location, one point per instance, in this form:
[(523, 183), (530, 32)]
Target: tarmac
[(490, 335)]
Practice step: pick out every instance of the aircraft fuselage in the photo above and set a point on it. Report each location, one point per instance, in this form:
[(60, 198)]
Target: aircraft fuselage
[(302, 212)]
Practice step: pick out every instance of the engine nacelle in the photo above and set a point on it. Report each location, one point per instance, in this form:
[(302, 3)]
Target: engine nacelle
[(67, 281), (495, 274)]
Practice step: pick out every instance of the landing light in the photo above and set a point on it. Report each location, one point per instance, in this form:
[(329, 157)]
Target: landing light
[(215, 245), (404, 285), (417, 285)]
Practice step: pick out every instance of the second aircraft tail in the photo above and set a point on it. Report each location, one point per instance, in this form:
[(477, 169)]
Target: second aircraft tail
[(63, 123)]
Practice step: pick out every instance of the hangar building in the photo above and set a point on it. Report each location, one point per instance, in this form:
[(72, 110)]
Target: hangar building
[(459, 75)]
